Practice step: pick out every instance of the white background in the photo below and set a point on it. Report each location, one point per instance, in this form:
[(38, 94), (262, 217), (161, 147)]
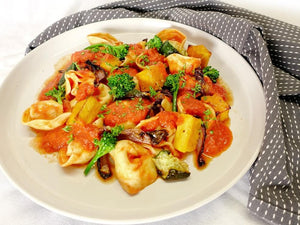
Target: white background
[(21, 21)]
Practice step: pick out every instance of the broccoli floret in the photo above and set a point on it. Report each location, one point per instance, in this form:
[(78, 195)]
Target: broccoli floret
[(167, 49), (212, 73), (155, 42), (105, 145), (120, 51), (172, 83), (120, 85), (169, 167)]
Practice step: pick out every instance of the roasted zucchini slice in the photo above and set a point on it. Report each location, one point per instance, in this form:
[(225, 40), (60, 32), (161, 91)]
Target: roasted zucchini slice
[(169, 167)]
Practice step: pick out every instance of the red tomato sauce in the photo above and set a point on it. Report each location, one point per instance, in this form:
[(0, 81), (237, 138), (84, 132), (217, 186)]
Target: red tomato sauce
[(168, 119), (137, 49), (187, 83), (120, 112), (164, 119), (85, 90), (53, 140), (80, 57), (218, 139), (85, 134), (58, 139), (192, 106), (49, 85), (131, 71), (215, 88), (67, 106), (153, 57)]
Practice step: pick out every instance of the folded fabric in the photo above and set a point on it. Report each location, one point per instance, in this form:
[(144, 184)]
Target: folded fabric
[(272, 48)]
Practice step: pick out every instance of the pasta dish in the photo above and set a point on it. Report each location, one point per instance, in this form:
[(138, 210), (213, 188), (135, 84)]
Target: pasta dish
[(134, 111)]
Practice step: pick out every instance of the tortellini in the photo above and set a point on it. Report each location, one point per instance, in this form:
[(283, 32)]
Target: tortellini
[(172, 35), (104, 96), (45, 115), (133, 52), (134, 166), (74, 78), (75, 154), (102, 38), (179, 62)]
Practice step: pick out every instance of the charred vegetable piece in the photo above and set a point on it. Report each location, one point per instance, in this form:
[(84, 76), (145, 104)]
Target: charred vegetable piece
[(103, 166), (187, 133), (152, 76), (157, 136), (169, 167), (97, 70), (134, 93), (156, 107), (199, 51), (135, 135), (199, 75), (200, 147), (139, 136)]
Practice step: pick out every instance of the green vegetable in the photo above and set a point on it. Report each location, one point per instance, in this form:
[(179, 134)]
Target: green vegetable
[(134, 93), (71, 138), (155, 42), (105, 145), (167, 49), (169, 167), (172, 83), (212, 73), (73, 66), (120, 51), (196, 89), (152, 92), (67, 128), (144, 60), (59, 93), (120, 85)]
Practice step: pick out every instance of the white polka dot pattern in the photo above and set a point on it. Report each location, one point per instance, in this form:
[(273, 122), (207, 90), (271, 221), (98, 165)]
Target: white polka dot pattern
[(272, 48)]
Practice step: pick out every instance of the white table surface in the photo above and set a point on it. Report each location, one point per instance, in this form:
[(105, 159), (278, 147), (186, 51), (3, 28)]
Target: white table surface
[(22, 21)]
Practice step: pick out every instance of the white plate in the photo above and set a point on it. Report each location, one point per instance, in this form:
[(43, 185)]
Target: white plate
[(69, 192)]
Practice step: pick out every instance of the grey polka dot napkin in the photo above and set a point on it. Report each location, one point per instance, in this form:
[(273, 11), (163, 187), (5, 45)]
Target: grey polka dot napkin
[(272, 48)]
